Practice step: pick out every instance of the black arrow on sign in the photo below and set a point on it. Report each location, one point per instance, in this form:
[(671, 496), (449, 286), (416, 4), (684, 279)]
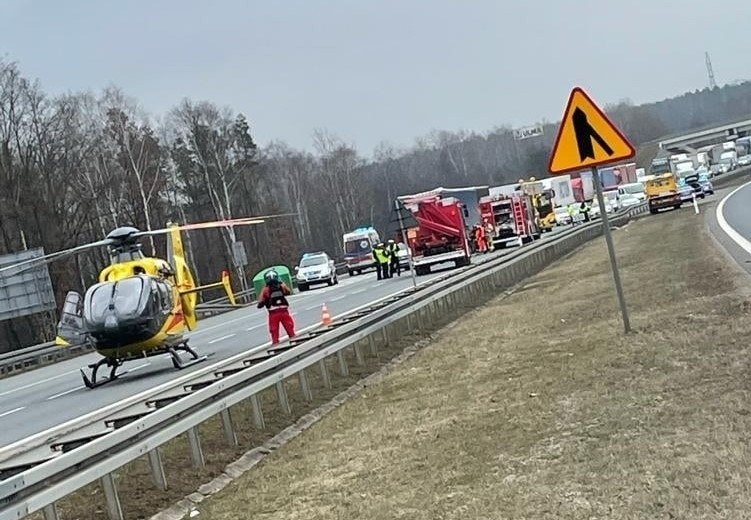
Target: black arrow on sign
[(584, 135)]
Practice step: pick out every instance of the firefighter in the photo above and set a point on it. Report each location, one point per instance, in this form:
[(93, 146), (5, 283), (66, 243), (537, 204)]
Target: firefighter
[(381, 256), (395, 266), (274, 298), (482, 245), (489, 234)]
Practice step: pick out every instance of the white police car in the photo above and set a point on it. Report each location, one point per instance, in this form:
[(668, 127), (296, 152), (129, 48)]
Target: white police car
[(315, 268)]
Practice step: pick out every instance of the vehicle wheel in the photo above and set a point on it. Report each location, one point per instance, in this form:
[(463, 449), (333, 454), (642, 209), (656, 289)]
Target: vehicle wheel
[(653, 211), (350, 272), (677, 207), (336, 279), (359, 271), (302, 288), (330, 282)]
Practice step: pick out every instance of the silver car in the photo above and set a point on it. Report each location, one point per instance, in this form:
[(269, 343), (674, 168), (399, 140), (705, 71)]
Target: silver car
[(315, 268)]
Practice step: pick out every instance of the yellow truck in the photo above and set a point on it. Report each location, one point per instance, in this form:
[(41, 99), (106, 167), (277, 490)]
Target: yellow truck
[(662, 192)]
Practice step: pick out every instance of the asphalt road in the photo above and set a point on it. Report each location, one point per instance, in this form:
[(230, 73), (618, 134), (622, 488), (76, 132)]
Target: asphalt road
[(40, 399), (736, 212)]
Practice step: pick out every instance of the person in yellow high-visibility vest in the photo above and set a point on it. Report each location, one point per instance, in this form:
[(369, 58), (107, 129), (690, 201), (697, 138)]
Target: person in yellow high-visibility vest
[(381, 256)]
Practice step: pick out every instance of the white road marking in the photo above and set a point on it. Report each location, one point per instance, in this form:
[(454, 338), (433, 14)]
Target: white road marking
[(318, 306), (339, 298), (727, 228), (139, 366), (254, 327), (217, 340), (359, 291), (212, 327), (12, 411), (35, 383), (50, 398)]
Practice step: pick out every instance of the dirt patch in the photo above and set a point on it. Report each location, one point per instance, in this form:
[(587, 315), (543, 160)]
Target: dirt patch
[(537, 406)]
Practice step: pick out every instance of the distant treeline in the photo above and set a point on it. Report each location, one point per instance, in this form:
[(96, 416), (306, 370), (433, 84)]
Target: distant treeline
[(76, 166)]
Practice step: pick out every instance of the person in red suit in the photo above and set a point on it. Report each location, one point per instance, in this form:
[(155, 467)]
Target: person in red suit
[(274, 298)]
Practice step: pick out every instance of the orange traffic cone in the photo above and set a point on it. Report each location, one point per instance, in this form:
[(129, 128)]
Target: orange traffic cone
[(325, 316)]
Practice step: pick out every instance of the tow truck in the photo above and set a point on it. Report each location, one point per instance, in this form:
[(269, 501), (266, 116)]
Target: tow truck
[(662, 192)]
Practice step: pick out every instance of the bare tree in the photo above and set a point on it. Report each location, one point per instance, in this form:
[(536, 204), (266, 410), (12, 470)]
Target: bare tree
[(138, 151)]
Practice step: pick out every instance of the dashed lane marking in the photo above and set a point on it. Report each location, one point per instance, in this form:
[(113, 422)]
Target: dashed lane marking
[(217, 340), (12, 411), (39, 382), (50, 398)]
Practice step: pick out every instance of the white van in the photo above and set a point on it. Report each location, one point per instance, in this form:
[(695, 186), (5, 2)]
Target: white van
[(635, 188), (358, 249)]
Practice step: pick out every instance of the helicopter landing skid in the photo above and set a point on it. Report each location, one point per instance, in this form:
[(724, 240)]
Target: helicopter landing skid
[(93, 382), (179, 363)]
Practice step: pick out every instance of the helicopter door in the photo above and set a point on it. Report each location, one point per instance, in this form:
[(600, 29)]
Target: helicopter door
[(70, 328)]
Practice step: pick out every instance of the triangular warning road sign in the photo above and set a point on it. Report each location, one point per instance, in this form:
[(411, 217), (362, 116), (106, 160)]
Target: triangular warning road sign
[(586, 137)]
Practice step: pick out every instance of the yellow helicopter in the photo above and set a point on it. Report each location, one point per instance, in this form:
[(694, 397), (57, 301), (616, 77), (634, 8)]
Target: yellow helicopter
[(141, 306)]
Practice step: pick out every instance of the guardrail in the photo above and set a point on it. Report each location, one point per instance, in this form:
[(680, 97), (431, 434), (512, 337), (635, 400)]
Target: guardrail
[(38, 355), (42, 469), (727, 178)]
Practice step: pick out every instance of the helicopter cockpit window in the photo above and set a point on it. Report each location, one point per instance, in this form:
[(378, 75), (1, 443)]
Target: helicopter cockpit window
[(166, 297), (128, 295), (97, 301), (124, 298)]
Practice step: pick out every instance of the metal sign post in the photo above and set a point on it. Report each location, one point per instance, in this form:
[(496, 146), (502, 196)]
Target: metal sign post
[(240, 258), (611, 249), (406, 243), (587, 138)]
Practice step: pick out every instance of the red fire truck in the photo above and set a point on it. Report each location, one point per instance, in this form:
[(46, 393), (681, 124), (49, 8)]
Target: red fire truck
[(441, 234), (513, 216)]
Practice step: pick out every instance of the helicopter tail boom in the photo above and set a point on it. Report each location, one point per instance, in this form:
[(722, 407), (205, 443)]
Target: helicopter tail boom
[(225, 283)]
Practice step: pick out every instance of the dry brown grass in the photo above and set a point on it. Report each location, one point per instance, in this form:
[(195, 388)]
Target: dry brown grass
[(538, 407)]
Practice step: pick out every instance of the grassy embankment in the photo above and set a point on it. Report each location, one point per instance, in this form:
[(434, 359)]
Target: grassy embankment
[(537, 406)]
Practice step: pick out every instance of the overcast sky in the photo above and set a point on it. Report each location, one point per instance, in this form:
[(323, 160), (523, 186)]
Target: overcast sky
[(378, 70)]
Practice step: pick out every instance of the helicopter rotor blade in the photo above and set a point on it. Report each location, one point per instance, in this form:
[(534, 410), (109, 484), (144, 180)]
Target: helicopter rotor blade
[(243, 221), (38, 261)]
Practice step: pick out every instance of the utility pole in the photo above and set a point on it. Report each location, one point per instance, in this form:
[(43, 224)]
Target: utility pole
[(406, 243)]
